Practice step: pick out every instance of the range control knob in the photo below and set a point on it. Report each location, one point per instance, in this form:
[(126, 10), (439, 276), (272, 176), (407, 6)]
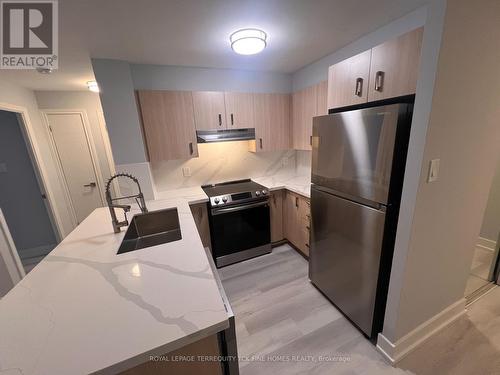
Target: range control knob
[(224, 199), (264, 192), (257, 193), (216, 200)]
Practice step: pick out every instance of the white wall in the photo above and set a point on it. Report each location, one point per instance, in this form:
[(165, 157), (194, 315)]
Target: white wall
[(88, 102), (162, 77), (491, 222), (434, 253), (19, 96), (120, 110)]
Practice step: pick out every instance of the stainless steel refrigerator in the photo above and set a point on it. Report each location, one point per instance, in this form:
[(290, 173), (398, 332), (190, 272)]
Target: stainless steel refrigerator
[(358, 161)]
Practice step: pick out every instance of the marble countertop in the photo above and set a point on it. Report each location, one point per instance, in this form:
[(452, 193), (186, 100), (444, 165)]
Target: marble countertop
[(84, 309), (300, 184)]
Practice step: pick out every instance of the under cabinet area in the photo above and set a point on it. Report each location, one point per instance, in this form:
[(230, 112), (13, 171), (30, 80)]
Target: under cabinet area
[(386, 71), (168, 124)]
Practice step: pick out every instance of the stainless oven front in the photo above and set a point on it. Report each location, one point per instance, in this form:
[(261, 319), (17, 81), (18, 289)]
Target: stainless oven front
[(240, 231)]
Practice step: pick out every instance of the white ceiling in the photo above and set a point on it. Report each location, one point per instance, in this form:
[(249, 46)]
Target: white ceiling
[(196, 33)]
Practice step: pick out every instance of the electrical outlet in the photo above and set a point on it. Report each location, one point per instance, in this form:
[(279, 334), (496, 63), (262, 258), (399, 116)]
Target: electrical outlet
[(186, 171), (433, 170), (3, 167), (284, 161)]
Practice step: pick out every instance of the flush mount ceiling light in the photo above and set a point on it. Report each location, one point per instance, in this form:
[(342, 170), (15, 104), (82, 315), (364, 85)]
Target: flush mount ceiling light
[(93, 86), (248, 41)]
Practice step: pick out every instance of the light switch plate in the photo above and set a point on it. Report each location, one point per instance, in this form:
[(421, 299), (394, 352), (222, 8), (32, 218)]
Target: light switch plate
[(3, 167), (186, 171), (433, 170)]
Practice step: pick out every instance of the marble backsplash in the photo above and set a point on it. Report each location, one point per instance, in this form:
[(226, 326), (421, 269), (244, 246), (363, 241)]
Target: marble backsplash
[(225, 161)]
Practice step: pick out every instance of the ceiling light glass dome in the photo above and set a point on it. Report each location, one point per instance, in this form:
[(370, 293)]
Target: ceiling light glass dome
[(248, 41)]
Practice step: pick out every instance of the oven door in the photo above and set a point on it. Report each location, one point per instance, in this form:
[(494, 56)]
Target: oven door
[(240, 232)]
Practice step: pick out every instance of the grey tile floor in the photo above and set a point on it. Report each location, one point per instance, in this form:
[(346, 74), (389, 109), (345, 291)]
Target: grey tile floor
[(284, 326)]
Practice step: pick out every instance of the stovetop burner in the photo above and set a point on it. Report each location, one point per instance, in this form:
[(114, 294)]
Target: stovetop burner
[(234, 192)]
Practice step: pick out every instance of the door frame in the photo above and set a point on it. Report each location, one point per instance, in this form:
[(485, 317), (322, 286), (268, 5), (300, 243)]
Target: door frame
[(41, 174), (93, 155)]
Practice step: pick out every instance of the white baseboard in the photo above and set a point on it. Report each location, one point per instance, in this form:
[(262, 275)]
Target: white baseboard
[(394, 352), (486, 244)]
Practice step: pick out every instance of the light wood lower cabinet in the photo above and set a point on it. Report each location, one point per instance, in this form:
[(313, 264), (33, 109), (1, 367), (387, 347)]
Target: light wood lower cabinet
[(175, 366), (296, 221), (276, 203), (200, 215)]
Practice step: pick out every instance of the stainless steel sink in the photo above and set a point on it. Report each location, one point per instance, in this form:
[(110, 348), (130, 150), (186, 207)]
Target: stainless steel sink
[(150, 229)]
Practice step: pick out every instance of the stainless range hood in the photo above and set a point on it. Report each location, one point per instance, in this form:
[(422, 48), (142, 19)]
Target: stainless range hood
[(210, 136)]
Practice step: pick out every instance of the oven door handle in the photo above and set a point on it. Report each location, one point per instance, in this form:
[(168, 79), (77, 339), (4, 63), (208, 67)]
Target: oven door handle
[(221, 211)]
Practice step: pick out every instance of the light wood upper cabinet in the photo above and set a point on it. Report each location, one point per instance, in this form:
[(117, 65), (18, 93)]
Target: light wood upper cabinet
[(348, 81), (322, 98), (239, 110), (168, 122), (272, 122), (209, 110), (304, 106), (394, 66)]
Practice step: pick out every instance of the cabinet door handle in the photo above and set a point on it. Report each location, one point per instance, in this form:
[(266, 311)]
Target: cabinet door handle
[(191, 149), (232, 119), (260, 141), (379, 81), (358, 91), (90, 184), (220, 119), (311, 140), (297, 202)]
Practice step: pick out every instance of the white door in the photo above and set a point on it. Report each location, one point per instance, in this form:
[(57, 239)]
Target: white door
[(75, 157)]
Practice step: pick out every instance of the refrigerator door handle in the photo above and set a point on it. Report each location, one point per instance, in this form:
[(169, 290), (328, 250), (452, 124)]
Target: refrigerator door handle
[(365, 202)]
